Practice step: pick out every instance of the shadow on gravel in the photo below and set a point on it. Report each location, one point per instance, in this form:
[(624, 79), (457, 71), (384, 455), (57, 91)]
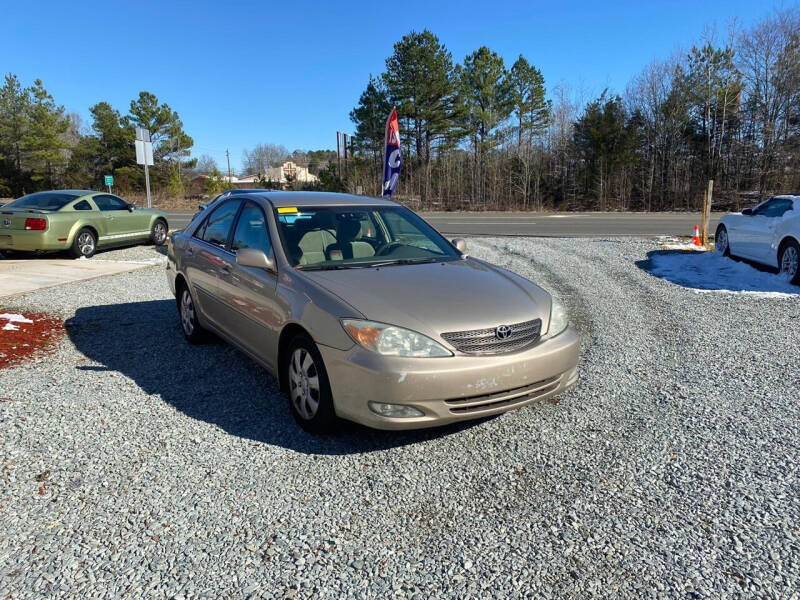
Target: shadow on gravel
[(17, 255), (214, 382), (709, 271)]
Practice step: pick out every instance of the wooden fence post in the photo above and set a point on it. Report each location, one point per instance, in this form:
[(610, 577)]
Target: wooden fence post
[(706, 220)]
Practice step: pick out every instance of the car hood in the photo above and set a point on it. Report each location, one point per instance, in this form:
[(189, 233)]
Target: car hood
[(438, 297)]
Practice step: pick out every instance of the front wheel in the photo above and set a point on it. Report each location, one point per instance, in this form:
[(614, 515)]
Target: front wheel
[(306, 379), (84, 245), (789, 262), (158, 233), (721, 243)]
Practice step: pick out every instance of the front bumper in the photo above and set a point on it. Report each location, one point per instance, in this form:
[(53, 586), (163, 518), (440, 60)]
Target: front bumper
[(30, 241), (449, 389)]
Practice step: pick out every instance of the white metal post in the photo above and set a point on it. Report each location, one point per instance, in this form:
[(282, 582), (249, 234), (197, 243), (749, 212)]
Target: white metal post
[(147, 184)]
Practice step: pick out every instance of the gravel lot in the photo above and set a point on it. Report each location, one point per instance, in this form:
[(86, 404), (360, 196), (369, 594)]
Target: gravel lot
[(671, 470)]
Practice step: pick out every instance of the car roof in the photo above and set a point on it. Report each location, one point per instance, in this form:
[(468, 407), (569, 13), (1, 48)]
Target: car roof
[(282, 199), (76, 193)]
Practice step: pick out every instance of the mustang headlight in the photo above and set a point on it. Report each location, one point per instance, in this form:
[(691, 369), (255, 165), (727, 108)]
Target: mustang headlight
[(558, 319), (390, 340)]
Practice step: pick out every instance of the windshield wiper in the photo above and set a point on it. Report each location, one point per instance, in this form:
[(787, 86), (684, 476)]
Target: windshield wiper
[(334, 267), (408, 261)]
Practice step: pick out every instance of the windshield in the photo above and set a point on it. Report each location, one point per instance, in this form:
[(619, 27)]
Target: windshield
[(43, 201), (358, 236)]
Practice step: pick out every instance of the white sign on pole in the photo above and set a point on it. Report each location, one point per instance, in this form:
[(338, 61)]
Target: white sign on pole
[(144, 156), (144, 152), (143, 134)]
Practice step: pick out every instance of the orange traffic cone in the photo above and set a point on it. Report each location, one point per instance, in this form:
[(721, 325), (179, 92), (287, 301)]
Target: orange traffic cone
[(696, 237)]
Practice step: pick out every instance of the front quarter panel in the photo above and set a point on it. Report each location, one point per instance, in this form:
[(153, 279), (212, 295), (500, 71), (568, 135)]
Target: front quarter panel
[(315, 309)]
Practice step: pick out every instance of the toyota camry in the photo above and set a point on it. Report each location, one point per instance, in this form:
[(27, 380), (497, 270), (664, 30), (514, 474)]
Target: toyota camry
[(364, 312)]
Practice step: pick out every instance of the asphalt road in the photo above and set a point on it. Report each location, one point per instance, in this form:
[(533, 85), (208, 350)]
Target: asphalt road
[(547, 224)]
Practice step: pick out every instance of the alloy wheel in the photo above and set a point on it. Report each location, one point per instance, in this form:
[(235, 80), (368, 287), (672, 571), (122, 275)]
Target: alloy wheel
[(187, 313), (159, 233), (790, 261), (304, 383), (86, 243)]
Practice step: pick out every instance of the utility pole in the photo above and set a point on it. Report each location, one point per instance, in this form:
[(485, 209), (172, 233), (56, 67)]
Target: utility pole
[(228, 155), (338, 154)]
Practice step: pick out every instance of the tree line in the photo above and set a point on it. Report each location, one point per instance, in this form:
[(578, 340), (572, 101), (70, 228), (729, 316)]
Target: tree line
[(482, 135), (43, 147), (479, 134)]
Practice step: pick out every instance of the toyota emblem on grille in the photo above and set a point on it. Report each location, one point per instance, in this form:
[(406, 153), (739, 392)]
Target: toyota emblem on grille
[(502, 332), (7, 222)]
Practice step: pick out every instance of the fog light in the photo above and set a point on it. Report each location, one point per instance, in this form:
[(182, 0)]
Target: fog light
[(394, 410)]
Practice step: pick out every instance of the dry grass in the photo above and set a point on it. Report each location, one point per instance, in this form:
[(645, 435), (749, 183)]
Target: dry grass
[(164, 202)]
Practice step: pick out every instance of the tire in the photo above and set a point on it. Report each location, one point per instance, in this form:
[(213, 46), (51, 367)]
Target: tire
[(158, 233), (187, 313), (789, 262), (84, 245), (721, 242), (308, 388)]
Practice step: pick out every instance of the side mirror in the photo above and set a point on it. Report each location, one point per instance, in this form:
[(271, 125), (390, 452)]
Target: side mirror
[(460, 244), (748, 212), (252, 257), (131, 207), (201, 207)]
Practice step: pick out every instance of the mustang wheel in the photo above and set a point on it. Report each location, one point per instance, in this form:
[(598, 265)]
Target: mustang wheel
[(721, 243), (158, 234), (84, 244), (789, 262), (309, 390), (192, 330)]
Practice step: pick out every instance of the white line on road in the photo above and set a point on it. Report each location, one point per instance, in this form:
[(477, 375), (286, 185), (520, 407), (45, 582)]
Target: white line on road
[(477, 222)]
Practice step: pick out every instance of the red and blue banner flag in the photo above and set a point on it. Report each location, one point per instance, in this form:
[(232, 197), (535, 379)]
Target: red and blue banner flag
[(393, 157)]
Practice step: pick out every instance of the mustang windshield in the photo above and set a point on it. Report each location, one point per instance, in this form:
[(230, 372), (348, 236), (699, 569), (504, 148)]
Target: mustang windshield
[(43, 201), (339, 237)]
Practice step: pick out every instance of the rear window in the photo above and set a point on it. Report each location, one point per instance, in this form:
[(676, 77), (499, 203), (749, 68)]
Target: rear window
[(43, 201)]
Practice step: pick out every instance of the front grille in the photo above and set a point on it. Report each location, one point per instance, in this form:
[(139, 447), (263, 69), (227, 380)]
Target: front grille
[(503, 399), (485, 341)]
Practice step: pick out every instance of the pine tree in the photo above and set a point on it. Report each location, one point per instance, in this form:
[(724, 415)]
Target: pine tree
[(369, 118), (528, 100), (486, 101), (43, 142)]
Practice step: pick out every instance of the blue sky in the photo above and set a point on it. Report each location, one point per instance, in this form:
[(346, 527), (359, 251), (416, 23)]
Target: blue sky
[(240, 73)]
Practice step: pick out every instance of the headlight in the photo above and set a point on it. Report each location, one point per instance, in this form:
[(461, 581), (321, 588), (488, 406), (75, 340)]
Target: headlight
[(558, 319), (392, 341)]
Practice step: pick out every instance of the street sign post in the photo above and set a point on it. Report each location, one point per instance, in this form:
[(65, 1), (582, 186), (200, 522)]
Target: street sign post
[(144, 156), (109, 182)]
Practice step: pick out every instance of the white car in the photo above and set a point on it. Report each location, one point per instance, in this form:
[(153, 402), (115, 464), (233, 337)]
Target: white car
[(768, 234)]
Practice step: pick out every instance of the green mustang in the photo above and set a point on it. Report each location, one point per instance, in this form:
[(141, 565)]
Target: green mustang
[(79, 221)]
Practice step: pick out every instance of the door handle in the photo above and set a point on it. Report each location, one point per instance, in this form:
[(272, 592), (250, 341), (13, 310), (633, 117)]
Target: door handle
[(189, 250)]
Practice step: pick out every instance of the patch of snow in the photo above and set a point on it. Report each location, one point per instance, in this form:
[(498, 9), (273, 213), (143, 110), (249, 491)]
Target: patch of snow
[(710, 272), (673, 243), (10, 327), (14, 318)]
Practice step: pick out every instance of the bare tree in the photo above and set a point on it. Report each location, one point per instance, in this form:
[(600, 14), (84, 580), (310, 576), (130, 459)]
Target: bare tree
[(262, 157)]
